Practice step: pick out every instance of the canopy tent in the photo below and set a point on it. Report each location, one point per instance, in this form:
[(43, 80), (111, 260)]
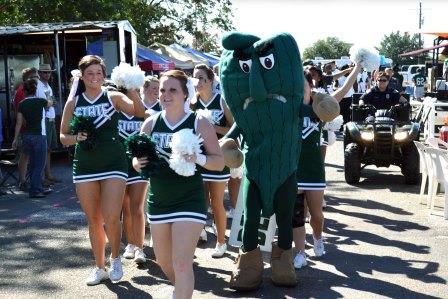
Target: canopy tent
[(424, 50), (150, 60), (211, 60), (182, 59)]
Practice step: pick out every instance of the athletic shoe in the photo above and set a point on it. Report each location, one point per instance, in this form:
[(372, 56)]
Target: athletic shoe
[(319, 248), (230, 213), (203, 236), (219, 251), (140, 256), (129, 251), (115, 270), (97, 276), (300, 260)]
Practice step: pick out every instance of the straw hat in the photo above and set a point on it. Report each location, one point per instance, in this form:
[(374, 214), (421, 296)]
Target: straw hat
[(325, 106), (45, 67), (233, 157)]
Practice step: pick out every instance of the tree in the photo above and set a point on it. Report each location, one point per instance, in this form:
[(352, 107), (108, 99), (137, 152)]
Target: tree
[(164, 21), (396, 43), (328, 48)]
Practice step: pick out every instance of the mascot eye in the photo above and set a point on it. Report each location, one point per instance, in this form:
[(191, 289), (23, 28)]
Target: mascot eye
[(245, 65), (267, 61)]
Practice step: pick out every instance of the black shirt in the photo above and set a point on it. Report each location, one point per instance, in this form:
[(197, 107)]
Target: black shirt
[(381, 99)]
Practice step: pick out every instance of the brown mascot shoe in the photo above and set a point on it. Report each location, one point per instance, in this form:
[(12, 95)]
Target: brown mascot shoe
[(248, 274), (282, 266)]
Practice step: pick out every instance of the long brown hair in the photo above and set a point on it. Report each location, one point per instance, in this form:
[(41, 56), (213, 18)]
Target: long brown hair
[(180, 76)]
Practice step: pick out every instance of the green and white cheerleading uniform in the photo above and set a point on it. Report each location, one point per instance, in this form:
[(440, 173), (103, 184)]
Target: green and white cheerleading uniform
[(311, 170), (216, 106), (108, 158), (173, 197), (156, 106), (129, 125)]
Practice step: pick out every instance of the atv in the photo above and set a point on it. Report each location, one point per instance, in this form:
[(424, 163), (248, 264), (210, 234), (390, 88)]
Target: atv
[(381, 138)]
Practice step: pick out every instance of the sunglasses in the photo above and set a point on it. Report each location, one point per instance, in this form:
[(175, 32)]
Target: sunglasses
[(382, 80)]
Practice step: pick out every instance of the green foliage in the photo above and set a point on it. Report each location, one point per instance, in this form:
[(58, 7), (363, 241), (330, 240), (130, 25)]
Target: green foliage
[(163, 21), (329, 48), (396, 43)]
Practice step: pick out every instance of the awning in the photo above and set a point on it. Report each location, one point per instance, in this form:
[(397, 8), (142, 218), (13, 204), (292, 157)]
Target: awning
[(211, 59), (181, 58), (424, 50), (149, 60)]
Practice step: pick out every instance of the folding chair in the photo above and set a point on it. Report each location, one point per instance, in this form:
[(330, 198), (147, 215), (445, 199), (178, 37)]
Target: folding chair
[(8, 169), (425, 170), (439, 160)]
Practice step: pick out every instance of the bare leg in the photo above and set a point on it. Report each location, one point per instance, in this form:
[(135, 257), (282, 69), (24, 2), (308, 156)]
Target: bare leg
[(185, 237), (137, 194), (314, 200), (112, 192), (219, 213), (127, 218), (161, 243), (234, 189), (89, 198)]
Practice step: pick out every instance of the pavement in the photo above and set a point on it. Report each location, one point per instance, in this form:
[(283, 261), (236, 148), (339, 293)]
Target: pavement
[(380, 243)]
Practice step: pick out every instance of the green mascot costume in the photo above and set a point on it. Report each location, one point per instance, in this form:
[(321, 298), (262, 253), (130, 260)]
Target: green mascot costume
[(262, 82)]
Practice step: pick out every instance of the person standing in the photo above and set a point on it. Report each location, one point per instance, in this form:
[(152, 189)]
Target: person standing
[(45, 91), (100, 173), (178, 217), (151, 94), (32, 112), (419, 81), (214, 181)]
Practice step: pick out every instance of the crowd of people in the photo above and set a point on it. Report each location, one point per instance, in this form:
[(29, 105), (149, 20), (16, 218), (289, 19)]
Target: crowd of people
[(109, 184)]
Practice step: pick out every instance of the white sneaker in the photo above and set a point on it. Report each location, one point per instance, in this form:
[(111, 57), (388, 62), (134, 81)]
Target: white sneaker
[(129, 251), (319, 248), (203, 236), (220, 249), (300, 260), (140, 256), (115, 270), (97, 276), (230, 213)]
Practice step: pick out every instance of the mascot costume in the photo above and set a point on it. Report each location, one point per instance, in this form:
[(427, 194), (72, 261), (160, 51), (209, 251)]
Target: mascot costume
[(262, 82)]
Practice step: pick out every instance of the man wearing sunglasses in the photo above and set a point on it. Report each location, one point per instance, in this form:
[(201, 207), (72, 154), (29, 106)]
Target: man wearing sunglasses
[(380, 96)]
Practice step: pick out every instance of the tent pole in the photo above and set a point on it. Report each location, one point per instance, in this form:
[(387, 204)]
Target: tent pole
[(58, 69)]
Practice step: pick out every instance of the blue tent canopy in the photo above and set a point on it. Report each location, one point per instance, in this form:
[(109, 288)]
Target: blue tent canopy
[(212, 60), (158, 63)]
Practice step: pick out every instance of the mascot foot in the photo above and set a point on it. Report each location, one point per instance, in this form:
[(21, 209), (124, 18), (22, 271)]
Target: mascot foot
[(248, 274), (282, 266)]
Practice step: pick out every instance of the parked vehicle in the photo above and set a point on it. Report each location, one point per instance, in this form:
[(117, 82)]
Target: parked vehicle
[(409, 72)]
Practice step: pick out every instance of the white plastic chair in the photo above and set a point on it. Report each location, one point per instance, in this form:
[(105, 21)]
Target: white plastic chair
[(436, 142), (439, 160), (425, 170)]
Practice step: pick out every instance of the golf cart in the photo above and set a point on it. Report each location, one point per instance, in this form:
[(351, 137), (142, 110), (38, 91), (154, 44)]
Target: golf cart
[(381, 138)]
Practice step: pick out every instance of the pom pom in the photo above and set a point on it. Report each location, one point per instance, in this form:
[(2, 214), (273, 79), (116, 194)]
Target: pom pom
[(127, 76), (335, 124), (206, 114), (141, 145), (86, 125), (368, 58), (184, 142)]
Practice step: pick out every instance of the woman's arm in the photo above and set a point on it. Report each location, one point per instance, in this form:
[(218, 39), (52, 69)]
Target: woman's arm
[(66, 137), (131, 103), (214, 159), (341, 92), (19, 123), (229, 120)]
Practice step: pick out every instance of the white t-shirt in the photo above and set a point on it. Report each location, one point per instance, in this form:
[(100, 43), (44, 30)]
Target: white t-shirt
[(45, 91), (362, 79)]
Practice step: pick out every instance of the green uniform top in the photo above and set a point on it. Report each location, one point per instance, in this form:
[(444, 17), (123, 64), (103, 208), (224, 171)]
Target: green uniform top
[(156, 106), (33, 110), (216, 106), (419, 80), (108, 158), (169, 192), (129, 125)]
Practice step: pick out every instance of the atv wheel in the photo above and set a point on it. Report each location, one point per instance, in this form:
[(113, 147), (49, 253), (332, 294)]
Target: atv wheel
[(410, 166), (352, 163)]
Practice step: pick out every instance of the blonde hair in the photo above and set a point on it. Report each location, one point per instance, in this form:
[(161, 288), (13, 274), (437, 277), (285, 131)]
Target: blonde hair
[(148, 80)]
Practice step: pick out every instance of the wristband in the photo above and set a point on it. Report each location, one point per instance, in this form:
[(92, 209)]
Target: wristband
[(201, 159)]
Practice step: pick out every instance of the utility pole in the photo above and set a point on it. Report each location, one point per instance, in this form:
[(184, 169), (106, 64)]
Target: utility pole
[(420, 21)]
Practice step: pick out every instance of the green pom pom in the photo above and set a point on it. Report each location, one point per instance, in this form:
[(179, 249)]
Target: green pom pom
[(141, 145), (86, 125)]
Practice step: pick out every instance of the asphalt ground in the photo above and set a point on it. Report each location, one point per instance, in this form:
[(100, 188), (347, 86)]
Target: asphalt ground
[(380, 242)]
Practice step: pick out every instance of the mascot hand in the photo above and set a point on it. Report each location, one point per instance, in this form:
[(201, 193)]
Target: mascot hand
[(233, 157), (325, 106)]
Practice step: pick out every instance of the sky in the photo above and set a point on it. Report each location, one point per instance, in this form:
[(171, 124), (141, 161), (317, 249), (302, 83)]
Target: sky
[(359, 22)]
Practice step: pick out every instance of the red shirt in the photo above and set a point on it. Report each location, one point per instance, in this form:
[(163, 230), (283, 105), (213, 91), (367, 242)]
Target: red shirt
[(19, 97)]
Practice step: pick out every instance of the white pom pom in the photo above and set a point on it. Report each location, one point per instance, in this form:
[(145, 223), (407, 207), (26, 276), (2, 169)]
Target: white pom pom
[(206, 114), (368, 58), (184, 142), (237, 172), (127, 76), (335, 124), (320, 90)]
